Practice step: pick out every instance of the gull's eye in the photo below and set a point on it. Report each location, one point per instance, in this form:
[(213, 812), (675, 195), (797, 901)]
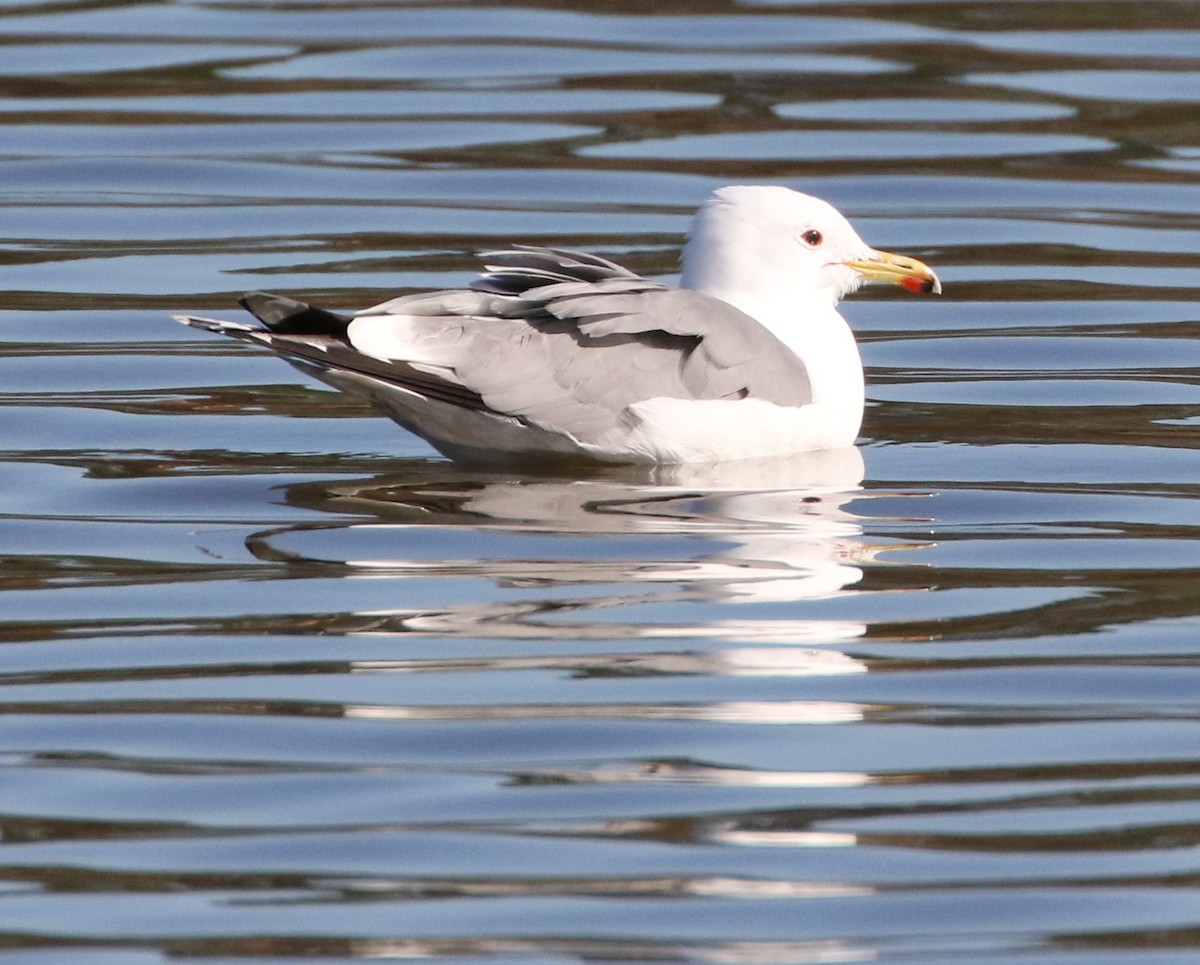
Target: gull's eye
[(812, 237)]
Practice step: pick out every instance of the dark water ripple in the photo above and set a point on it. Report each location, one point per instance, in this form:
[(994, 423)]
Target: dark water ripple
[(278, 684)]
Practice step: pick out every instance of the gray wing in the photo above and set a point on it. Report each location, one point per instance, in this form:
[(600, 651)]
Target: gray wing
[(569, 341), (558, 339)]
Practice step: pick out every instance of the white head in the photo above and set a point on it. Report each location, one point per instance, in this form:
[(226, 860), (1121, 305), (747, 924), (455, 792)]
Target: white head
[(751, 243)]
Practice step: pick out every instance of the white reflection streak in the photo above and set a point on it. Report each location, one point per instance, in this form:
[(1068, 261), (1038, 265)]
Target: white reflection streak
[(782, 661), (728, 712), (781, 839), (832, 952), (828, 952), (749, 888), (736, 662), (664, 772), (501, 620)]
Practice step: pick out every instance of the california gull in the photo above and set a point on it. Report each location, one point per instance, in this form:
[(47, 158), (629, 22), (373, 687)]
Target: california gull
[(554, 354)]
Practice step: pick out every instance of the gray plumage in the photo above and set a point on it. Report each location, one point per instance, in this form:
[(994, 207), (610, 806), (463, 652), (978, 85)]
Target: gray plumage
[(555, 340)]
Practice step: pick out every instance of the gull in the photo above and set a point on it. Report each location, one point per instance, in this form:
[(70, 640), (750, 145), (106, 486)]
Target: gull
[(555, 355)]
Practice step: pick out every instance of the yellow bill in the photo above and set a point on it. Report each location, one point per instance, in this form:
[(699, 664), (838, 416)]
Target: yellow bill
[(908, 273)]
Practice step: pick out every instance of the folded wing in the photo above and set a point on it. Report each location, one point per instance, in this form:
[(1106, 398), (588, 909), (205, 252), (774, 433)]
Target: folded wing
[(558, 340)]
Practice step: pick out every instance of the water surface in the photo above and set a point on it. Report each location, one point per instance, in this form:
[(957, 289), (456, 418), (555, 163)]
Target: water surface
[(280, 684)]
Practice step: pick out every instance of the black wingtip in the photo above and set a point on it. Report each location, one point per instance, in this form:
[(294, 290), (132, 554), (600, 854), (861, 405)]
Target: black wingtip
[(287, 316)]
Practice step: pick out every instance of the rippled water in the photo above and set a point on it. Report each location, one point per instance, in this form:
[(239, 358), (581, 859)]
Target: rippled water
[(280, 684)]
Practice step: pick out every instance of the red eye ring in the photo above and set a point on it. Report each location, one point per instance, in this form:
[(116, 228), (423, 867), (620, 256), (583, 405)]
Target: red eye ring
[(812, 237)]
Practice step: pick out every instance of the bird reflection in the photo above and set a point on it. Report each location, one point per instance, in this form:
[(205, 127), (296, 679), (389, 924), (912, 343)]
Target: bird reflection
[(814, 952), (770, 532)]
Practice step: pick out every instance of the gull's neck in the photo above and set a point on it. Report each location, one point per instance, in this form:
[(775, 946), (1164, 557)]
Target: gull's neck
[(747, 269), (752, 272)]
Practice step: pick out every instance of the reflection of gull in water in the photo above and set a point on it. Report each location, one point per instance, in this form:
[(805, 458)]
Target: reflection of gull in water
[(774, 532), (778, 712), (631, 949), (740, 662), (645, 772)]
